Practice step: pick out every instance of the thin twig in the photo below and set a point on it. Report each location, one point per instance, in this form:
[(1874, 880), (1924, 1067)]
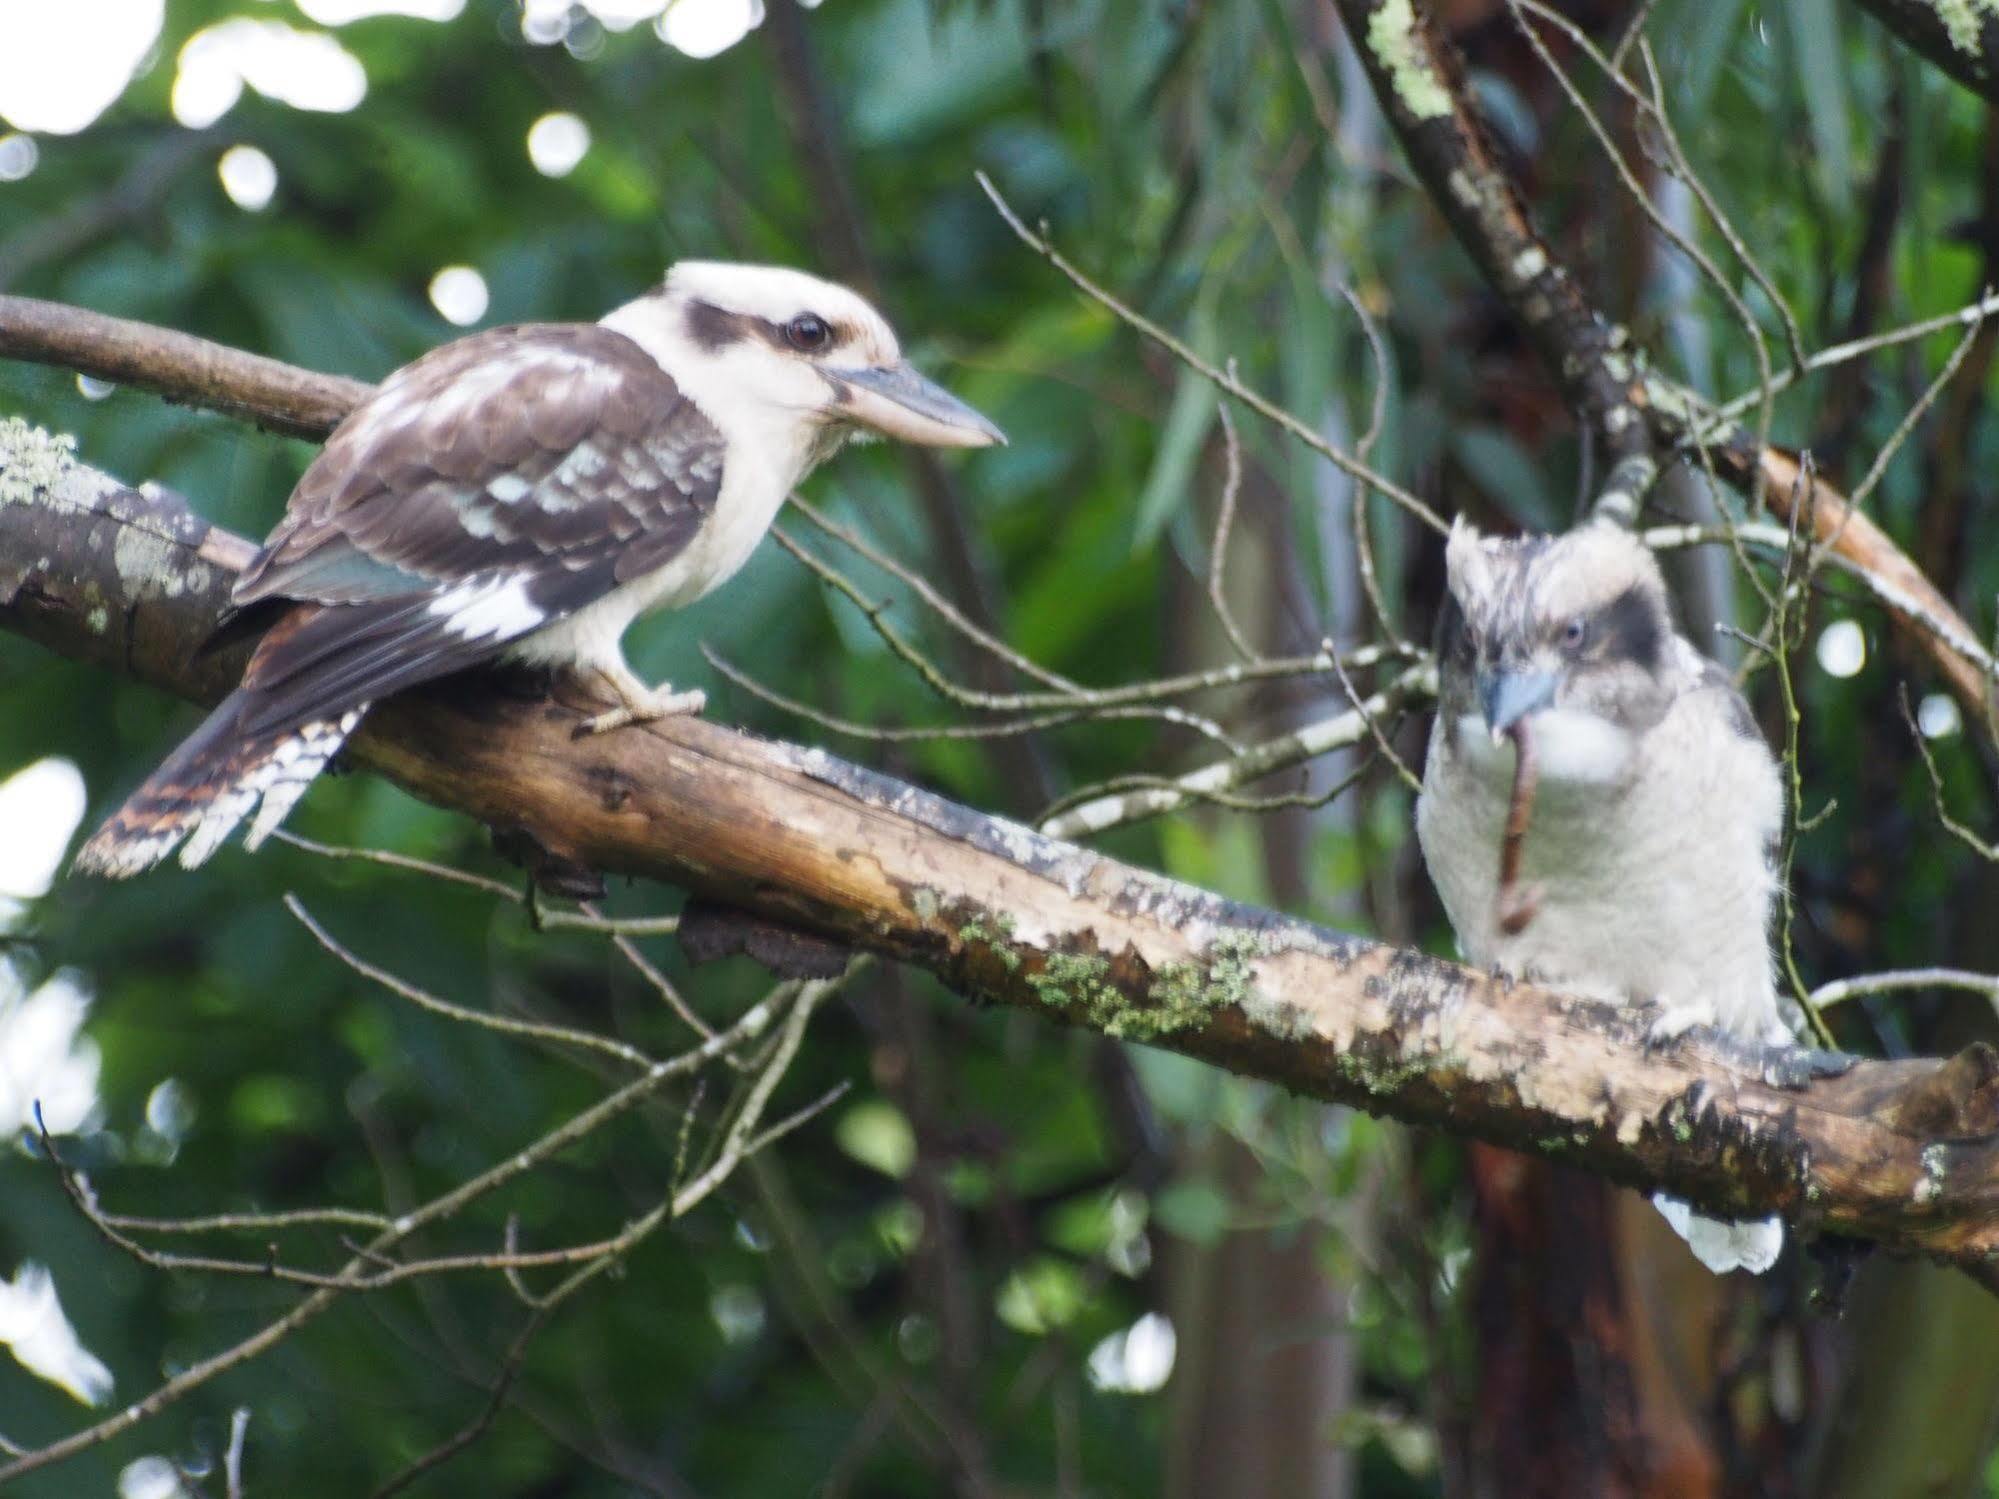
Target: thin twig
[(921, 586), (1377, 420), (1643, 199), (405, 862), (587, 920), (471, 1431), (1228, 801), (1906, 978), (1985, 850), (1827, 358), (1913, 415), (663, 986), (531, 1030), (922, 733), (1269, 410), (1306, 743), (232, 1458), (1380, 737), (251, 1222), (1218, 553), (754, 1022)]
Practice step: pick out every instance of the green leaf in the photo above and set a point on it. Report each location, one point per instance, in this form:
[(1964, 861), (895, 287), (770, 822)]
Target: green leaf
[(1709, 34), (1814, 27), (1501, 467), (1185, 431), (1041, 1296), (876, 1134), (1194, 1211)]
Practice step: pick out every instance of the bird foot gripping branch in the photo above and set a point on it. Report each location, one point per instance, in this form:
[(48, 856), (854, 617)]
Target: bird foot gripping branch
[(640, 704), (525, 494)]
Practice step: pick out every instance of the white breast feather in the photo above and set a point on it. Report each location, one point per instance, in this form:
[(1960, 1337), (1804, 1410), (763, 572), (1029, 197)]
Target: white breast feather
[(751, 494), (1654, 884)]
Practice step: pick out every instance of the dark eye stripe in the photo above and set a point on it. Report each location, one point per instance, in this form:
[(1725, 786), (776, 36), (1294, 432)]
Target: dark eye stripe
[(1629, 628)]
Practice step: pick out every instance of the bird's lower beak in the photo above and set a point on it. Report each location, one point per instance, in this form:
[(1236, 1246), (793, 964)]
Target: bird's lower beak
[(898, 402), (1509, 696)]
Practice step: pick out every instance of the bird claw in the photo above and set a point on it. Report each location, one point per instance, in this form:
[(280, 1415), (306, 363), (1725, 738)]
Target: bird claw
[(649, 709), (1673, 1021)]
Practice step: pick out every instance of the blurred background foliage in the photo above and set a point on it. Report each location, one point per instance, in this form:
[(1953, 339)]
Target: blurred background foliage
[(1015, 1259)]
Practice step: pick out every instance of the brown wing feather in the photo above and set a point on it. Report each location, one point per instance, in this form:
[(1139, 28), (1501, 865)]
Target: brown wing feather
[(555, 460), (425, 483)]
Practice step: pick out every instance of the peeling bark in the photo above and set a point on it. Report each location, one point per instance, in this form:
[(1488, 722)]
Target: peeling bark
[(1906, 1153)]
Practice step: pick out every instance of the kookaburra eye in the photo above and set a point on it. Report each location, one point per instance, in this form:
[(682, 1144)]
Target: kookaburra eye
[(807, 333), (1573, 633)]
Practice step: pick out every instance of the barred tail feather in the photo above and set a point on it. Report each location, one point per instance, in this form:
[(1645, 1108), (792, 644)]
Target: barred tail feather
[(210, 784)]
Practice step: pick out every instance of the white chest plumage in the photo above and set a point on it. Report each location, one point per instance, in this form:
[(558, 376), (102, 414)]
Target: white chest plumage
[(1651, 864), (753, 490)]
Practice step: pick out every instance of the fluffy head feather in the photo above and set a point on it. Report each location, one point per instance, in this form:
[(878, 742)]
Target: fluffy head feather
[(1585, 613), (789, 364)]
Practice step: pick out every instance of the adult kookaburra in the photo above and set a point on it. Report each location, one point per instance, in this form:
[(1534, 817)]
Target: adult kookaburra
[(526, 493), (1651, 848)]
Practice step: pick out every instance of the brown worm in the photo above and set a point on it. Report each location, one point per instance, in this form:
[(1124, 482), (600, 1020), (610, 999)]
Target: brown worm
[(1515, 906)]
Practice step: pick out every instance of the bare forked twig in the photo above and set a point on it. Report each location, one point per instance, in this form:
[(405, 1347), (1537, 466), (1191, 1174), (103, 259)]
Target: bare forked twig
[(784, 1012), (1223, 380)]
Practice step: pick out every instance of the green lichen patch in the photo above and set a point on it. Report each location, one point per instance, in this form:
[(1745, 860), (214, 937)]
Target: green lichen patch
[(1391, 37), (1100, 989), (995, 938), (32, 461), (1183, 994), (1080, 983)]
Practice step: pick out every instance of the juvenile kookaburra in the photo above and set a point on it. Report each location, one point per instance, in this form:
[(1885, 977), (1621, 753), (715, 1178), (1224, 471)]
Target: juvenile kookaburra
[(1650, 852), (526, 493)]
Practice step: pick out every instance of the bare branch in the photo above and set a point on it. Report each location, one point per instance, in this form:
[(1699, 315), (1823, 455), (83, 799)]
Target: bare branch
[(531, 1030), (179, 366), (1218, 553), (1302, 744), (357, 1272), (1906, 978)]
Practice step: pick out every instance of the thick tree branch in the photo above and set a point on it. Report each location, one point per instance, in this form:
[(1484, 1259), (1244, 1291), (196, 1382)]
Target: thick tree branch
[(1611, 384), (1419, 79), (1906, 1153), (193, 371)]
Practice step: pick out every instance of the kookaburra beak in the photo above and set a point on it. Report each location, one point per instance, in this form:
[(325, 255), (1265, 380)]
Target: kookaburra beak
[(1509, 696), (898, 402)]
